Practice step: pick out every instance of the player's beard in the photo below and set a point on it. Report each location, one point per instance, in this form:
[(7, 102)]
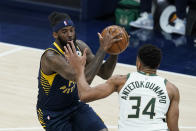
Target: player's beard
[(64, 42)]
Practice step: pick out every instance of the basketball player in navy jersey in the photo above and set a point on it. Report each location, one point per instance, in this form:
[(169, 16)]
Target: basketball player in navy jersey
[(148, 102), (58, 105)]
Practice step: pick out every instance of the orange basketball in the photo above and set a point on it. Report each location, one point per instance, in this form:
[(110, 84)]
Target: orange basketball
[(119, 46)]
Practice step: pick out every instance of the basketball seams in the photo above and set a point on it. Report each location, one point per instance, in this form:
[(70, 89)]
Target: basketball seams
[(121, 43), (119, 46)]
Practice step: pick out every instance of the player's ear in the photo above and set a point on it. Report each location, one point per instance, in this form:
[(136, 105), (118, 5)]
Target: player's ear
[(138, 63), (55, 35)]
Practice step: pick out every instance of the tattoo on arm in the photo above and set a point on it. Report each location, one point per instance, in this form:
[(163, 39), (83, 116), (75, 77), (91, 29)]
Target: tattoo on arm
[(52, 62), (108, 67), (93, 62)]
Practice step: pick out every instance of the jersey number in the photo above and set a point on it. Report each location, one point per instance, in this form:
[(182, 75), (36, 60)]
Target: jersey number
[(151, 105)]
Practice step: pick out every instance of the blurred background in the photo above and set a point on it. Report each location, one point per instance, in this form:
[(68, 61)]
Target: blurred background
[(25, 22)]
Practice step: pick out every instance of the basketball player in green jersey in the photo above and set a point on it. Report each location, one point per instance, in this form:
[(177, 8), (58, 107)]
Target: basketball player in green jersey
[(58, 105), (148, 102)]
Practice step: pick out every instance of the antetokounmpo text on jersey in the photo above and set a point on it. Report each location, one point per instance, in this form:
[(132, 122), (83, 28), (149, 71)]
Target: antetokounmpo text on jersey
[(141, 84)]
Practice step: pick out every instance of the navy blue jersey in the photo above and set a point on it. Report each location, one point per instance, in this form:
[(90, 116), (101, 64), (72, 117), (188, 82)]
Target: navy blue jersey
[(55, 92)]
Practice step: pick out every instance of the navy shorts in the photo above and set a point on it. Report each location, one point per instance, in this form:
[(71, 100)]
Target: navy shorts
[(75, 118)]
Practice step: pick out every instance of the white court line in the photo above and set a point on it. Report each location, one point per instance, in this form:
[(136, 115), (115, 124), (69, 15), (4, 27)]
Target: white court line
[(172, 73), (28, 128), (187, 127), (121, 64), (12, 45), (11, 51), (110, 127)]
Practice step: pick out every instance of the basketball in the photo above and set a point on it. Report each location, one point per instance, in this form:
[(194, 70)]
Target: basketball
[(119, 46)]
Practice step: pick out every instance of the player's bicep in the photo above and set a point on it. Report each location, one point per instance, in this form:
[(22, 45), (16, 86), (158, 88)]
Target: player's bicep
[(173, 112), (89, 53), (58, 64)]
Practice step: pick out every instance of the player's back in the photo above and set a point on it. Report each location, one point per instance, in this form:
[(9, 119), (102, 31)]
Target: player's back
[(144, 103)]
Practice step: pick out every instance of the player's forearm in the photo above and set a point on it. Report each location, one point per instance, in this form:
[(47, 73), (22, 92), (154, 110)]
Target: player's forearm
[(108, 67), (172, 119), (93, 67), (83, 86), (173, 128)]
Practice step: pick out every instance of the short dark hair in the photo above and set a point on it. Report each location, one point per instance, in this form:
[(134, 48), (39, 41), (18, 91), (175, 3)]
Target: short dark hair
[(57, 17), (150, 55)]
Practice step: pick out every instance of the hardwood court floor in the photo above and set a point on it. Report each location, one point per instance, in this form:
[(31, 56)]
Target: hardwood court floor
[(18, 92)]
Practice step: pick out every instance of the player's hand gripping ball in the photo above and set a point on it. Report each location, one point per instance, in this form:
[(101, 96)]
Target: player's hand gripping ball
[(119, 46)]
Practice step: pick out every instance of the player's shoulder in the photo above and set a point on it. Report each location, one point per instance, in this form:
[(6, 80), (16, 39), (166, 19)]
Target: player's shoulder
[(172, 89), (80, 41), (81, 44), (50, 55), (171, 86)]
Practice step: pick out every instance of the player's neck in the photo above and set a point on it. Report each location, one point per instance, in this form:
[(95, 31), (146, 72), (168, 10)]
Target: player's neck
[(59, 44), (148, 71)]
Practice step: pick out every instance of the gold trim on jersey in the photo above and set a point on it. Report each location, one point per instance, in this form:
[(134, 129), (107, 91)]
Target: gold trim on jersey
[(40, 118), (46, 81), (57, 46), (54, 50)]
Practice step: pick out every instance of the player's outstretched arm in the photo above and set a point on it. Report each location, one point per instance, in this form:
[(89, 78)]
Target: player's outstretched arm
[(86, 93), (173, 111), (94, 64), (107, 68)]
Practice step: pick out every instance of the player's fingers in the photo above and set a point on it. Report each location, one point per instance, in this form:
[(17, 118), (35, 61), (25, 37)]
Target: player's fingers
[(124, 30), (69, 49), (73, 47), (67, 57), (66, 51), (126, 33), (84, 55), (100, 36), (116, 40), (113, 30), (84, 52), (117, 35), (108, 32)]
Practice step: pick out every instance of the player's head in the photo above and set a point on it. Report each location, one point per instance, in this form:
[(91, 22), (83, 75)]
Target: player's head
[(149, 56), (63, 27)]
